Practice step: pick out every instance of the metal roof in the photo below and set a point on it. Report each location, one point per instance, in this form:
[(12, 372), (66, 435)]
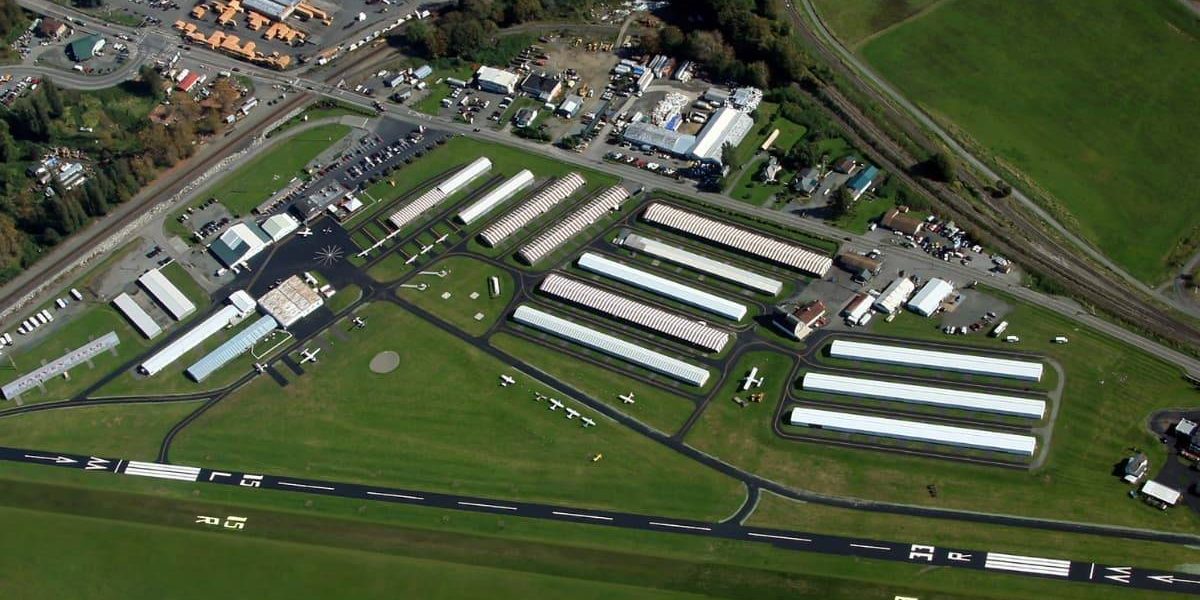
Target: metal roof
[(631, 311), (895, 294), (532, 208), (60, 365), (930, 298), (924, 394), (279, 226), (964, 437), (436, 195), (1161, 492), (231, 348), (189, 340), (137, 315), (722, 233), (726, 127), (165, 292), (496, 196), (934, 359), (702, 263), (239, 244), (573, 224), (648, 134), (613, 346), (662, 286)]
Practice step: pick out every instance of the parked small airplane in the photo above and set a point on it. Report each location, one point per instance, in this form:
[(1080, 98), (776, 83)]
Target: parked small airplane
[(307, 356), (359, 323), (739, 401), (587, 422), (260, 368), (555, 404), (412, 259), (425, 249), (627, 398), (506, 380), (752, 380), (307, 231), (539, 396), (597, 457), (441, 238), (571, 413)]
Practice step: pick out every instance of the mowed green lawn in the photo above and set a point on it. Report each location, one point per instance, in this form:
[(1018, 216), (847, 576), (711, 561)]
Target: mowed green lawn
[(267, 172), (464, 276), (441, 421), (131, 432), (1095, 100), (1110, 390), (123, 560)]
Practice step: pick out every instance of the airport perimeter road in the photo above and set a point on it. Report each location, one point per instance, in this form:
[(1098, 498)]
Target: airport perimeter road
[(812, 20), (917, 553)]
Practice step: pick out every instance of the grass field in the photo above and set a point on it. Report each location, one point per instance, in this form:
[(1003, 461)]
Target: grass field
[(603, 555), (266, 173), (344, 298), (465, 276), (1083, 96), (653, 406), (442, 421), (130, 432), (783, 513), (857, 20), (1109, 391)]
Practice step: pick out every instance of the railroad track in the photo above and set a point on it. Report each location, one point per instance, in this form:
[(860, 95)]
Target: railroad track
[(1011, 229)]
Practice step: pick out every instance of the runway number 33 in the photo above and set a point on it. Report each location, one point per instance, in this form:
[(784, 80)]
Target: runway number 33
[(230, 522)]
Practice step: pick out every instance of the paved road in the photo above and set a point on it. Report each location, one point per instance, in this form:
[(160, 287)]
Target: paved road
[(851, 60), (918, 553)]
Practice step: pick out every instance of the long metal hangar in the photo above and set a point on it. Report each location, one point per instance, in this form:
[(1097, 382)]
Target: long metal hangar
[(791, 255), (443, 190), (933, 359), (702, 264), (662, 286), (496, 197), (638, 313), (962, 437), (923, 394), (613, 346), (573, 224), (531, 209)]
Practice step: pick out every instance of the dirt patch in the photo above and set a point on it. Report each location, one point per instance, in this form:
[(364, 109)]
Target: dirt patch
[(385, 362)]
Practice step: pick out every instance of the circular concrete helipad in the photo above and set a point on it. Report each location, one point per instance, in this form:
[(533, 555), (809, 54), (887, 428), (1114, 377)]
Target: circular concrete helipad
[(385, 362)]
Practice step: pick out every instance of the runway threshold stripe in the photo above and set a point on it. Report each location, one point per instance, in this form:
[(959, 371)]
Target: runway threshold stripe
[(401, 496), (306, 486), (777, 537), (1029, 560), (481, 505), (581, 516), (677, 526), (1034, 569), (868, 547)]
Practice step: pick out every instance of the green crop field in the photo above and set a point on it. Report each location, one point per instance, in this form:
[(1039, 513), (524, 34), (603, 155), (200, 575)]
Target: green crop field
[(131, 432), (442, 421), (1109, 391), (783, 513), (855, 21), (270, 171), (1089, 98), (464, 276)]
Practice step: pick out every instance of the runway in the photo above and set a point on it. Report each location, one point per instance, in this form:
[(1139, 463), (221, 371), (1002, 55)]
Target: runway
[(906, 552)]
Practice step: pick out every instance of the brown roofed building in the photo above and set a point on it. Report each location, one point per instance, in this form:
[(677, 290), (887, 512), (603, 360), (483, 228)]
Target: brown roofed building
[(900, 221), (858, 264), (800, 321), (52, 28)]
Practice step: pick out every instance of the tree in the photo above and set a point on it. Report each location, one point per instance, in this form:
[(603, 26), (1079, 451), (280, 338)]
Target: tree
[(843, 203), (54, 100), (803, 155), (521, 11), (941, 166), (152, 82), (9, 150)]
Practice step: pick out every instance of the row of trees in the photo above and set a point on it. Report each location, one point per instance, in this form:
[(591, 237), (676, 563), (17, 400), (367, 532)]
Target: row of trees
[(470, 26), (11, 19)]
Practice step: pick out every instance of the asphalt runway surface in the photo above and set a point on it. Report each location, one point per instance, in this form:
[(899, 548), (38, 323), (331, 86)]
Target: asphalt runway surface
[(907, 552)]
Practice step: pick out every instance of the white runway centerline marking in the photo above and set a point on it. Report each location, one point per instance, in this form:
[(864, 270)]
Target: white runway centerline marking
[(678, 526), (402, 496), (481, 505), (777, 537), (306, 486), (869, 547), (581, 516)]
